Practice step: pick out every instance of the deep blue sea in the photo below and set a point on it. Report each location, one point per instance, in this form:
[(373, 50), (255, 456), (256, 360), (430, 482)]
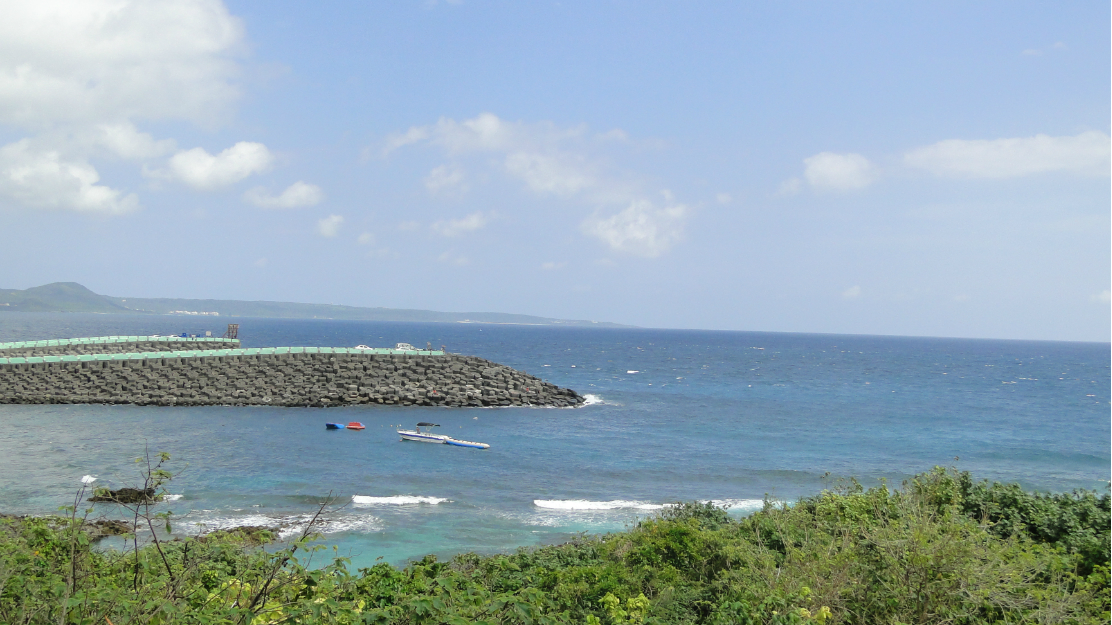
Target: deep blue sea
[(676, 415)]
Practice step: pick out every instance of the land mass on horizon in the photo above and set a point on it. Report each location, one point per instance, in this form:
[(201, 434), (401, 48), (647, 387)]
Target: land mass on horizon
[(73, 297)]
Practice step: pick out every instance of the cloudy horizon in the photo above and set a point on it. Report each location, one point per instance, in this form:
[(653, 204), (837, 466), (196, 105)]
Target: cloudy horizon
[(927, 170)]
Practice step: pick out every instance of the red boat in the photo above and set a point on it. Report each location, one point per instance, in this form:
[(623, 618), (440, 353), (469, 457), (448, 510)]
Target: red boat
[(355, 425)]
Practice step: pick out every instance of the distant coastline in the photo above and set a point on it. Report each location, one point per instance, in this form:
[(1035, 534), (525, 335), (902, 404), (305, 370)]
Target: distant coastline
[(74, 297)]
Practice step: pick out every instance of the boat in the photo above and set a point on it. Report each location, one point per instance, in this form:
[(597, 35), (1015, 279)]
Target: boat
[(425, 436), (459, 443), (355, 425), (334, 426)]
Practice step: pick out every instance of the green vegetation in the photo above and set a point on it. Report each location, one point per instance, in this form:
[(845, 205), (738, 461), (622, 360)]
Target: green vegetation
[(944, 549)]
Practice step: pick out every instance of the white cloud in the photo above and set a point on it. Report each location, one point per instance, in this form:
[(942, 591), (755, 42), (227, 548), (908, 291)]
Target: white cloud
[(366, 239), (852, 292), (445, 178), (86, 62), (330, 226), (409, 226), (550, 266), (838, 172), (1040, 51), (261, 263), (1104, 297), (125, 141), (296, 195), (1086, 154), (201, 170), (452, 258), (549, 173), (724, 198), (77, 75), (790, 187), (38, 178), (641, 229), (563, 162), (456, 227)]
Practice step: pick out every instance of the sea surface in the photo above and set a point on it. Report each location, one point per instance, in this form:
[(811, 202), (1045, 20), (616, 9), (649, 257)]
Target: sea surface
[(729, 417)]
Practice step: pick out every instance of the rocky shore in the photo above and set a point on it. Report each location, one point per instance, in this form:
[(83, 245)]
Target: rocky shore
[(278, 379)]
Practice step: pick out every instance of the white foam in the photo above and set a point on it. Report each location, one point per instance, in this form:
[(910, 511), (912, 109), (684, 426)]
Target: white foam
[(744, 505), (583, 504), (292, 525), (395, 500), (633, 371), (622, 504), (88, 479), (593, 400), (172, 497)]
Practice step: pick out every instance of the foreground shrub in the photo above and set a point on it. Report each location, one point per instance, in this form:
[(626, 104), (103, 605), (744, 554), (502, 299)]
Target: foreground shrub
[(943, 549)]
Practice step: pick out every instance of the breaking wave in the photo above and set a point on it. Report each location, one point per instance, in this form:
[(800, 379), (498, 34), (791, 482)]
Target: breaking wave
[(583, 504), (395, 500), (290, 526)]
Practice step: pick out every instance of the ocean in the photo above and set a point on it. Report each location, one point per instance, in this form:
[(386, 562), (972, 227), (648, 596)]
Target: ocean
[(674, 415)]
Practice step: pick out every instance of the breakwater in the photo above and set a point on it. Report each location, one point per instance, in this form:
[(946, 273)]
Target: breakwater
[(113, 345), (276, 376)]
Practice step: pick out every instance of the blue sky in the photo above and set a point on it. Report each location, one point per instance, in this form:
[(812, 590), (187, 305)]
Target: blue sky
[(916, 169)]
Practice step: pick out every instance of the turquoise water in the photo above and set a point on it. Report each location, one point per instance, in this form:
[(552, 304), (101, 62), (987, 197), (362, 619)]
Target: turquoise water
[(676, 415)]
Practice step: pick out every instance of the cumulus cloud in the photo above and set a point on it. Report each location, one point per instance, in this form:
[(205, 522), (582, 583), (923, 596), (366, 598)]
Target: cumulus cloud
[(201, 170), (838, 172), (562, 162), (366, 239), (641, 229), (297, 195), (77, 75), (452, 258), (39, 178), (330, 226), (1086, 154), (445, 178), (1103, 297), (547, 173), (86, 62), (125, 141), (551, 266), (790, 187), (456, 227), (852, 292)]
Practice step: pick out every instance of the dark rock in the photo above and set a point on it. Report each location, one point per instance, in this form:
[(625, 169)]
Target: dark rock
[(128, 496)]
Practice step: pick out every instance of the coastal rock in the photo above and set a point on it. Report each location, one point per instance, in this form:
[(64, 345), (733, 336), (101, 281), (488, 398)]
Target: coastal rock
[(281, 379), (127, 496)]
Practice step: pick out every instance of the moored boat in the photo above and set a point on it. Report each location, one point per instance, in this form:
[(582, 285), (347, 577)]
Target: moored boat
[(334, 426), (425, 436), (459, 443), (355, 425)]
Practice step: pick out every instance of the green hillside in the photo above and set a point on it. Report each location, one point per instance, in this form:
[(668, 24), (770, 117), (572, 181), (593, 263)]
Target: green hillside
[(58, 297), (72, 297)]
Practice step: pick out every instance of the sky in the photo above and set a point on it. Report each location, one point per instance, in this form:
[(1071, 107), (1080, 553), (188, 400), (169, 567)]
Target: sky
[(927, 168)]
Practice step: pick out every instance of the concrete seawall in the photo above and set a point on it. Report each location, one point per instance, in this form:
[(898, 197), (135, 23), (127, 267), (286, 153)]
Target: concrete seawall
[(112, 345), (275, 377)]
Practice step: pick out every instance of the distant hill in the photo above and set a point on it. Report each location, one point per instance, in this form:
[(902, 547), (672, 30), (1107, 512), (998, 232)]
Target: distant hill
[(58, 297), (72, 297)]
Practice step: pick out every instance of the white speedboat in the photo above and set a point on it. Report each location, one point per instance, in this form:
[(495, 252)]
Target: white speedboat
[(425, 436)]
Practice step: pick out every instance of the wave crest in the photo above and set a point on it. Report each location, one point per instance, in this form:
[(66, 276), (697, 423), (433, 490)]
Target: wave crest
[(395, 500), (583, 504)]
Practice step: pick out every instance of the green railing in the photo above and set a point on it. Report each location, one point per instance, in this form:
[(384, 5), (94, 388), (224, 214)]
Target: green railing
[(209, 353), (106, 340)]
